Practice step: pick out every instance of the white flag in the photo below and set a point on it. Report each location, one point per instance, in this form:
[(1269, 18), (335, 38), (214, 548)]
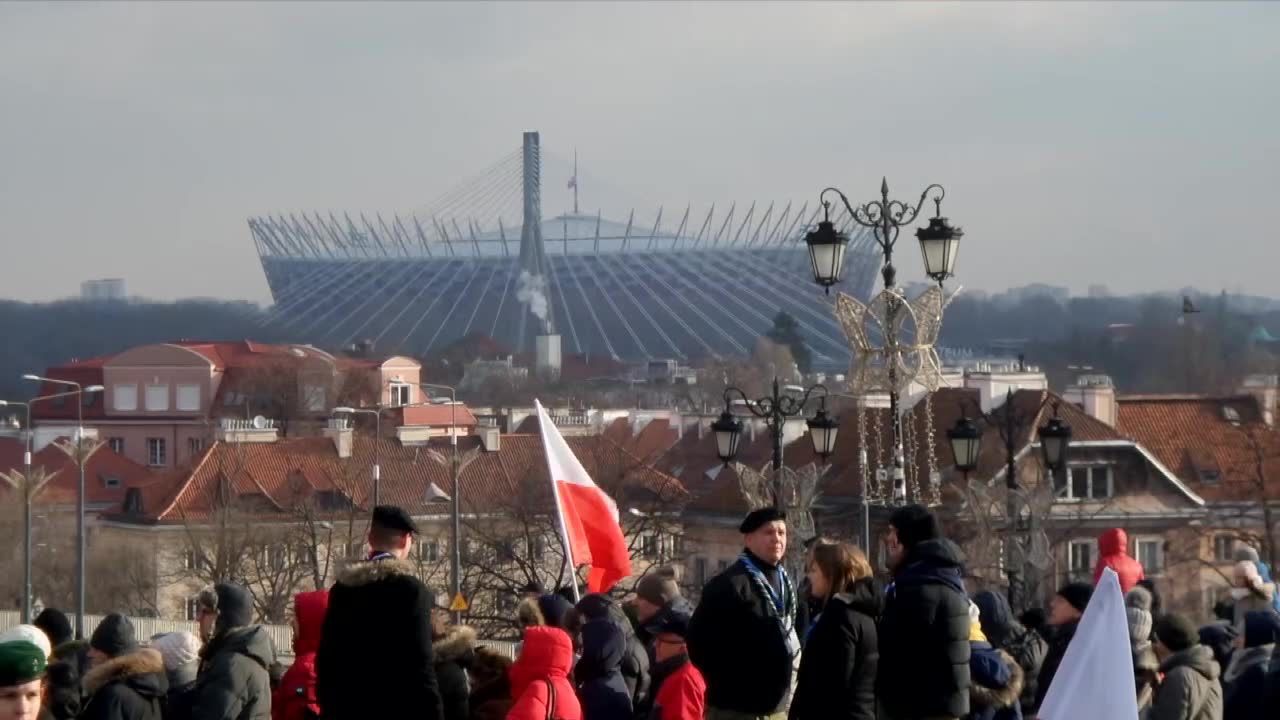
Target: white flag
[(1095, 679)]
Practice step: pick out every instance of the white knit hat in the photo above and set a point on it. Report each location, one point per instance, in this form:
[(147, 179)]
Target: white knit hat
[(28, 633), (178, 649)]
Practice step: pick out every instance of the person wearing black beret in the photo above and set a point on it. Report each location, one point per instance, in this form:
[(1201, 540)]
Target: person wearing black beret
[(743, 636), (126, 681), (22, 667), (923, 670), (375, 658)]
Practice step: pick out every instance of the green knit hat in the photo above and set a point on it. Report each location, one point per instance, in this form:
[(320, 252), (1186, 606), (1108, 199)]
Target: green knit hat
[(20, 663)]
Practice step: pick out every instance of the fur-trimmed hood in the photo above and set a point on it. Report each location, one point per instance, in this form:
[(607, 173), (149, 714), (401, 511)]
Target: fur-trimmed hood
[(1007, 696), (371, 571), (458, 644), (142, 670)]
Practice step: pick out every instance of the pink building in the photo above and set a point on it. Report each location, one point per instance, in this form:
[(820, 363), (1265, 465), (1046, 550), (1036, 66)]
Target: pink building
[(165, 403)]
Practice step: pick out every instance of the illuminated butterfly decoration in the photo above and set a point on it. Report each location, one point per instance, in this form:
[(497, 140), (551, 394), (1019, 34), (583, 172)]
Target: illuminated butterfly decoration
[(914, 326)]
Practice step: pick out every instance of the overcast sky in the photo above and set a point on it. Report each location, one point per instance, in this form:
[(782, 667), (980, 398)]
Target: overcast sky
[(1130, 144)]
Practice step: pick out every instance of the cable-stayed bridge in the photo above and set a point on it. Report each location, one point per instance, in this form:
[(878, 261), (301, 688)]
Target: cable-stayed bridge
[(482, 260)]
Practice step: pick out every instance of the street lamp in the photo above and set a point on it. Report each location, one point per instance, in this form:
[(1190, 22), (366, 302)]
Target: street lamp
[(80, 500), (26, 511), (966, 444), (774, 409), (939, 244), (376, 412), (455, 509)]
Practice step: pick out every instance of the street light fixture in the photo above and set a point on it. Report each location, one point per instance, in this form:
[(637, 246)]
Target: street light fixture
[(455, 519), (26, 510), (822, 430), (80, 494), (826, 252), (1055, 439), (376, 412), (939, 245), (728, 430), (966, 443)]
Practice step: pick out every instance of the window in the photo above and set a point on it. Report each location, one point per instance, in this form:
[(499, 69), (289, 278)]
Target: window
[(537, 548), (156, 452), (401, 394), (506, 603), (124, 397), (722, 565), (231, 398), (87, 398), (195, 446), (157, 398), (313, 398), (1150, 552), (188, 397), (1224, 548), (193, 608), (429, 550), (505, 550), (274, 557), (191, 560), (1087, 482), (116, 444), (1081, 560), (649, 545), (700, 571), (110, 481)]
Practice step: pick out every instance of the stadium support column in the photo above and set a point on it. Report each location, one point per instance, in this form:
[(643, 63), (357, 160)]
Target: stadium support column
[(532, 286)]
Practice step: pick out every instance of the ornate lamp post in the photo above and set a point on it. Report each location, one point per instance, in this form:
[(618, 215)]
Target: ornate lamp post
[(966, 445)]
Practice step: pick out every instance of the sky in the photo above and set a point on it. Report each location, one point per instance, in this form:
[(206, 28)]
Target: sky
[(1128, 144)]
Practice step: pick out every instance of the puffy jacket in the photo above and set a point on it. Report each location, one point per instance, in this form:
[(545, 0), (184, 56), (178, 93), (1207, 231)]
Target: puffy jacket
[(997, 684), (295, 699), (635, 660), (128, 687), (924, 636), (1026, 647), (546, 657), (453, 656), (601, 689), (234, 684), (1113, 552), (837, 676), (1190, 690), (682, 695)]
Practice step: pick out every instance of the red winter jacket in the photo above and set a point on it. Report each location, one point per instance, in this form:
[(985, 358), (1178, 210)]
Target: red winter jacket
[(547, 654), (682, 695), (1113, 550), (295, 699)]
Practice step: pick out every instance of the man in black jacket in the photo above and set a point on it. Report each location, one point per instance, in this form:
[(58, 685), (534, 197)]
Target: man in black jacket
[(924, 632), (375, 657), (1065, 610), (742, 636), (125, 682)]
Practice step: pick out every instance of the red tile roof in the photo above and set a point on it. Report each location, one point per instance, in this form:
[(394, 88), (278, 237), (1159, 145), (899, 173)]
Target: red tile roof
[(62, 486), (1195, 439), (435, 415)]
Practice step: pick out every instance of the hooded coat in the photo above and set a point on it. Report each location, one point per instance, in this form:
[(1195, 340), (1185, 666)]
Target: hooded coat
[(454, 654), (295, 699), (234, 684), (1190, 690), (546, 657), (63, 690), (837, 677), (635, 661), (128, 687), (997, 684), (1026, 647), (490, 686), (1244, 683), (924, 636), (601, 687), (375, 656), (735, 641), (1113, 552)]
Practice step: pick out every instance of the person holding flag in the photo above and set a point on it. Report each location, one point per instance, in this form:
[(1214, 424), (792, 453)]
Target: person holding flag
[(743, 635)]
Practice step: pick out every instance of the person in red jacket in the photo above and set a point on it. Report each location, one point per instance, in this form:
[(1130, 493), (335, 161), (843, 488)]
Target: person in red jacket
[(1113, 549), (682, 694), (295, 699), (540, 677)]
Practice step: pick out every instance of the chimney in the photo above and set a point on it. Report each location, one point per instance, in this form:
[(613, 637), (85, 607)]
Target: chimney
[(339, 431), (1265, 389), (490, 438), (1096, 395), (547, 359)]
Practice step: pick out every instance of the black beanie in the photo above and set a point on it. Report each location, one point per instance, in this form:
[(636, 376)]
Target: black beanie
[(55, 624), (114, 636), (1176, 632), (914, 524), (235, 605), (1077, 594)]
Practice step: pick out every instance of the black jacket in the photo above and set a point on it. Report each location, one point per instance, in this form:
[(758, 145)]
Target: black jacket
[(454, 654), (1244, 685), (128, 687), (63, 690), (838, 668), (635, 660), (1025, 646), (734, 640), (375, 657), (179, 703), (1058, 642), (234, 683), (601, 687), (924, 636)]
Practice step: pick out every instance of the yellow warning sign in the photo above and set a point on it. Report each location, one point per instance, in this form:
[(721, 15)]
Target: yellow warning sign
[(459, 603)]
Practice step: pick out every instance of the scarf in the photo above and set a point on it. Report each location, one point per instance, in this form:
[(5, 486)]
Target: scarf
[(781, 609)]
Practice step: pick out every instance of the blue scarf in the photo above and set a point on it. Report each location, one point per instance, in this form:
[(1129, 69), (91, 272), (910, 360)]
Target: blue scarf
[(782, 609)]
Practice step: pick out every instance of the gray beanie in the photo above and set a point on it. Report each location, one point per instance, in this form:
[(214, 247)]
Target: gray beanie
[(1140, 622), (181, 653), (1139, 598), (1246, 552)]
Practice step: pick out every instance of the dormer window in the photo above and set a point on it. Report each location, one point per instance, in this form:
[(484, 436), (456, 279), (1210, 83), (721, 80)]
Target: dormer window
[(401, 394)]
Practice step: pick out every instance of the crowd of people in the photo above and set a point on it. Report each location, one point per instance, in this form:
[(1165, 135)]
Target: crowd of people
[(759, 645)]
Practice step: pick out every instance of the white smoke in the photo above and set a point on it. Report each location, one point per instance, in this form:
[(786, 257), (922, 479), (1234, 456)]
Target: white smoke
[(532, 290)]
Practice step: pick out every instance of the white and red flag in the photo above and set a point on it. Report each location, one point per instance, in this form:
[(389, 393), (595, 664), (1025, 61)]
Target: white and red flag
[(588, 516)]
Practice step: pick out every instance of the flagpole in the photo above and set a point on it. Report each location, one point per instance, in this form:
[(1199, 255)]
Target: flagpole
[(543, 417)]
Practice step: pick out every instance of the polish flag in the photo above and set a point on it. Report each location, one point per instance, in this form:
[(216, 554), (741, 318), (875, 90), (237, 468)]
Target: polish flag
[(588, 516)]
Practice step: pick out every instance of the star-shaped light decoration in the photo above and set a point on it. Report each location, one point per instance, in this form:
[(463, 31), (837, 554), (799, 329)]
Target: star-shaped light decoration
[(907, 331)]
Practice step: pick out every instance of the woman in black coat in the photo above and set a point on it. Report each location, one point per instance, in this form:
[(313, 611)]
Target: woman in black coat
[(838, 668)]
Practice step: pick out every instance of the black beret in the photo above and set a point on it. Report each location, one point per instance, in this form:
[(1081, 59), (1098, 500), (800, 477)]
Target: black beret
[(1077, 594), (20, 663), (390, 517), (758, 518)]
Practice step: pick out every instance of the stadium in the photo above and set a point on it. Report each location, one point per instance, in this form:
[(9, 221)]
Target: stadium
[(485, 262)]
